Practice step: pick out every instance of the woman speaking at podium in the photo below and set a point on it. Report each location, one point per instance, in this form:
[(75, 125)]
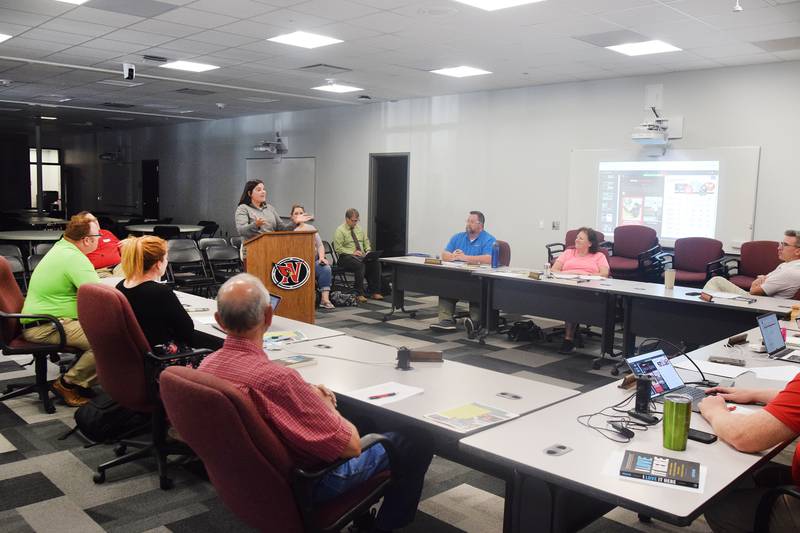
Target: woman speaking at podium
[(254, 215)]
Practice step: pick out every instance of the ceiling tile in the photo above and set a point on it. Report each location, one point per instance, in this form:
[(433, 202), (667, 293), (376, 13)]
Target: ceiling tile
[(243, 9), (12, 29), (194, 17), (224, 39), (56, 36), (248, 28), (41, 7), (139, 8), (163, 27), (90, 29), (384, 22), (99, 16), (139, 37), (335, 9), (22, 18), (292, 20), (728, 50), (191, 48), (117, 46)]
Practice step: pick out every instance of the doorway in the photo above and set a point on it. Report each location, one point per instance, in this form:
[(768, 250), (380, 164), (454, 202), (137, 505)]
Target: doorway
[(388, 205), (150, 197)]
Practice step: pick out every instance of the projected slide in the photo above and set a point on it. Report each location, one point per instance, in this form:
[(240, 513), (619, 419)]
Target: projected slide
[(675, 198)]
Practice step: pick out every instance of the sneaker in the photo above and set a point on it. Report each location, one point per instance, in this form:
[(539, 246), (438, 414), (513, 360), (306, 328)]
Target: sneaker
[(361, 299), (567, 347), (444, 325), (68, 393), (377, 296)]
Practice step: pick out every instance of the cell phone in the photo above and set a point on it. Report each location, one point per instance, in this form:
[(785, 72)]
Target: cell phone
[(701, 436)]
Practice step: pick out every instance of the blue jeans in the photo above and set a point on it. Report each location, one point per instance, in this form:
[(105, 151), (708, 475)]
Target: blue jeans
[(323, 274), (402, 496)]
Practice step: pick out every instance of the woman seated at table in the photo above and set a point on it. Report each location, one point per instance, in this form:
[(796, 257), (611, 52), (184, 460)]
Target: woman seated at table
[(323, 269), (586, 259), (161, 316)]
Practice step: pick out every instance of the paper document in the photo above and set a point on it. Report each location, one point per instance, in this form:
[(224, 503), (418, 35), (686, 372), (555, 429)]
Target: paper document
[(776, 373), (585, 277), (384, 393), (279, 338), (716, 369), (471, 416), (209, 319)]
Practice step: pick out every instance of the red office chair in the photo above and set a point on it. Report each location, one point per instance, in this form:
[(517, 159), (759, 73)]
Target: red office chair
[(632, 252), (557, 248), (505, 253), (127, 372), (757, 258), (249, 465), (695, 260)]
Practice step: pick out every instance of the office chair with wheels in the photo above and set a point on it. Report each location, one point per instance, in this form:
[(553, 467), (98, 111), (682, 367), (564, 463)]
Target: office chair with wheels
[(695, 260), (631, 244), (248, 464), (756, 258), (557, 248), (768, 501)]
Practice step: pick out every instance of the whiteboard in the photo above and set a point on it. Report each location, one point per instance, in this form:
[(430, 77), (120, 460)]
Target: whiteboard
[(289, 181), (738, 186)]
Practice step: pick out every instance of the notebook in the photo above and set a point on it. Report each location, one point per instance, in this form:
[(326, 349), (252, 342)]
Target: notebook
[(665, 377)]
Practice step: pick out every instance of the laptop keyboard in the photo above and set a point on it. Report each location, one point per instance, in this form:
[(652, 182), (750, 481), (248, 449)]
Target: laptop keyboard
[(695, 393)]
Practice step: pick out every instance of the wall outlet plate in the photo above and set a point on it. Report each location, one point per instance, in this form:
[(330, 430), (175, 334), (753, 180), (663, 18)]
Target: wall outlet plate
[(557, 449)]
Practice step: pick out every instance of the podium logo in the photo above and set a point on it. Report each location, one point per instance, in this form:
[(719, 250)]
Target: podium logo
[(290, 273)]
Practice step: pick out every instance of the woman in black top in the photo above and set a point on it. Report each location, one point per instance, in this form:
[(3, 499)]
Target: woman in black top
[(161, 316)]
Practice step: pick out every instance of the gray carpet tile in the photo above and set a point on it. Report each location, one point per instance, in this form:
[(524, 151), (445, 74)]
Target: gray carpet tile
[(215, 519), (12, 522), (8, 418), (41, 438), (25, 490)]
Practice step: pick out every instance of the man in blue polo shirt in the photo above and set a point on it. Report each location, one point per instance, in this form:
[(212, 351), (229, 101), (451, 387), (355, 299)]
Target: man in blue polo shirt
[(471, 246)]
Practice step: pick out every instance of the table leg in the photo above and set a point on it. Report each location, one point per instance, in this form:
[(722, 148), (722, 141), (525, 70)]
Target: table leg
[(398, 298), (628, 336)]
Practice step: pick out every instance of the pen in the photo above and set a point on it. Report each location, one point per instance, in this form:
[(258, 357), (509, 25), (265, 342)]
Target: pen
[(384, 395)]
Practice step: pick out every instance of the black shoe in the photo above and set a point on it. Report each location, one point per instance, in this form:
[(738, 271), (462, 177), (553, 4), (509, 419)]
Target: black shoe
[(567, 347), (444, 325)]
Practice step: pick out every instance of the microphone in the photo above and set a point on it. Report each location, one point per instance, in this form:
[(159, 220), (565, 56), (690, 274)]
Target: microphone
[(704, 382)]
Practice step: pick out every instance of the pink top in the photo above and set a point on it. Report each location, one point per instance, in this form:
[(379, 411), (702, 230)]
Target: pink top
[(591, 263)]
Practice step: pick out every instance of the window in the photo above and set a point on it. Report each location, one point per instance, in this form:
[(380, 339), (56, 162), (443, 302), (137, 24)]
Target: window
[(51, 175)]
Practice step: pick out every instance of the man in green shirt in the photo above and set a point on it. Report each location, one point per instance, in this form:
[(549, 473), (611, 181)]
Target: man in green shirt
[(53, 290), (352, 245)]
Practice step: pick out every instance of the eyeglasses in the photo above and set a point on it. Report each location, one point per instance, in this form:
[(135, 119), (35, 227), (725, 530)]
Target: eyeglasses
[(786, 245), (98, 235)]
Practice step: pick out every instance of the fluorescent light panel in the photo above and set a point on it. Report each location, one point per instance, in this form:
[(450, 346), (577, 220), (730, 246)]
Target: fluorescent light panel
[(337, 88), (494, 5), (48, 118), (4, 37), (188, 66), (304, 39), (460, 72), (76, 2), (644, 48)]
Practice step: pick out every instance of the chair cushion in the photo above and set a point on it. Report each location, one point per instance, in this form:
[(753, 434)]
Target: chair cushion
[(742, 282), (618, 263), (685, 277), (329, 512)]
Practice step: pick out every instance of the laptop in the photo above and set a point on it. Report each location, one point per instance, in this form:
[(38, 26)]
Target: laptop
[(374, 255), (773, 339), (274, 300), (666, 379)]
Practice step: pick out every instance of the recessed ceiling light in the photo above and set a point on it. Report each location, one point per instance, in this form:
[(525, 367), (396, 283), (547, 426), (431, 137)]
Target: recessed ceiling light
[(258, 100), (4, 37), (304, 39), (120, 83), (76, 2), (494, 5), (641, 49), (337, 88), (48, 118), (188, 65), (460, 72), (184, 111)]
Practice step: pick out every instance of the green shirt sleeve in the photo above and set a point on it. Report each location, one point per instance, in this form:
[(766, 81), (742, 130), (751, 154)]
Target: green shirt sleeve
[(342, 242)]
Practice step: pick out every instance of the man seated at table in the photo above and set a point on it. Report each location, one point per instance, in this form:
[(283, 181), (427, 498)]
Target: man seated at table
[(783, 282), (106, 256), (305, 415), (53, 290), (472, 246), (777, 422), (352, 245)]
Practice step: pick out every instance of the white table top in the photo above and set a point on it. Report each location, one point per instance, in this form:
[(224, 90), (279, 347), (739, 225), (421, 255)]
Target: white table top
[(446, 385), (30, 235), (446, 265), (148, 228)]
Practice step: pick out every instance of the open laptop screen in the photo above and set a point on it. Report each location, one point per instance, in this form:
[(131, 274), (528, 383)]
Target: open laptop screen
[(771, 333), (658, 365), (274, 300)]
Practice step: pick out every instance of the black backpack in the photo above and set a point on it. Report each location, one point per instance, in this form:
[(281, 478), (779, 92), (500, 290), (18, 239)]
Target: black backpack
[(525, 331), (104, 420)]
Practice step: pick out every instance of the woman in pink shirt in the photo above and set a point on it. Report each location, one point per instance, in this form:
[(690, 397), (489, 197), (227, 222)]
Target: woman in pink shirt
[(585, 258)]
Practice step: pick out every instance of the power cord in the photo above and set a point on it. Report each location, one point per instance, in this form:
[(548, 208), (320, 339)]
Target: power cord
[(621, 422)]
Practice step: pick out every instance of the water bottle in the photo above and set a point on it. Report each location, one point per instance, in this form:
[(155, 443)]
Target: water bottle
[(495, 255), (546, 270)]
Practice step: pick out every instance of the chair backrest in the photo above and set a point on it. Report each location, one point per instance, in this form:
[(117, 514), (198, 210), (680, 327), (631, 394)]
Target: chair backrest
[(236, 242), (118, 344), (246, 462), (330, 253), (630, 241), (180, 244), (505, 253), (166, 232), (10, 250), (211, 241), (33, 261), (42, 248), (17, 267), (11, 301), (209, 229), (569, 238), (694, 253), (222, 253), (758, 257), (185, 255)]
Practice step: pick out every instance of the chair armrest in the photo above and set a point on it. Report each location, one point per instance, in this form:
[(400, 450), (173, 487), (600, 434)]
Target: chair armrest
[(715, 268), (62, 335), (764, 510), (554, 248), (731, 266), (192, 356)]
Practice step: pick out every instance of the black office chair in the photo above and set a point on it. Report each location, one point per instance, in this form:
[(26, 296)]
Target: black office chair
[(167, 232), (187, 271), (768, 500)]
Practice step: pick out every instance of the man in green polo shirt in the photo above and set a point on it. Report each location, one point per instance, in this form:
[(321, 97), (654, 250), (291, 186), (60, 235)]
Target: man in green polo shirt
[(53, 290), (352, 245)]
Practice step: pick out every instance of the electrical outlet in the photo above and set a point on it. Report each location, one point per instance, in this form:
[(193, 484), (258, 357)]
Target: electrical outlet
[(556, 224)]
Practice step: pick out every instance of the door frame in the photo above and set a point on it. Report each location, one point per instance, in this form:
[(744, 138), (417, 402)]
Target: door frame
[(373, 192)]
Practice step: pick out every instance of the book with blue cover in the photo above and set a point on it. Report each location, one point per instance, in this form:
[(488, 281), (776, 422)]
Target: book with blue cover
[(660, 469)]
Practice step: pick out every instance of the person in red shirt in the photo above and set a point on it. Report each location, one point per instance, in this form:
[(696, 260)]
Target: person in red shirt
[(304, 415), (107, 254), (776, 423)]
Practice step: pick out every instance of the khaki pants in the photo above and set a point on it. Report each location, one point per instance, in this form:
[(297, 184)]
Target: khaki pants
[(83, 372), (447, 308), (720, 284)]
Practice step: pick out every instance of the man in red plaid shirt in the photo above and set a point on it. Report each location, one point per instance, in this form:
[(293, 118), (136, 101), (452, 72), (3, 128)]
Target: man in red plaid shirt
[(305, 415)]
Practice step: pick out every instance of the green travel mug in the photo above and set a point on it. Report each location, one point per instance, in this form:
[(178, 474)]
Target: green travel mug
[(677, 414)]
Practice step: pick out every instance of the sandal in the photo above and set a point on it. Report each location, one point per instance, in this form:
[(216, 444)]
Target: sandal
[(327, 305)]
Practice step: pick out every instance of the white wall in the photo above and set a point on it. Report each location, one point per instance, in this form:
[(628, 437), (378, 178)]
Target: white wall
[(503, 152)]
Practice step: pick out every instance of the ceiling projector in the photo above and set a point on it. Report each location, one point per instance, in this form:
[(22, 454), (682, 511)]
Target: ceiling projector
[(651, 132)]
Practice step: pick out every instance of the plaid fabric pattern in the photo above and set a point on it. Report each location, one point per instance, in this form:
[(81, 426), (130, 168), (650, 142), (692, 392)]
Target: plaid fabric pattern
[(312, 432)]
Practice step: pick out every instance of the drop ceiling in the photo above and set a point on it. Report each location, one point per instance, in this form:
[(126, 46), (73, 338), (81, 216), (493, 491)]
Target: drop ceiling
[(67, 60)]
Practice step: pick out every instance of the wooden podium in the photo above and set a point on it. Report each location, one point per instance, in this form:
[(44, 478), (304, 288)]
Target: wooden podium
[(285, 261)]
